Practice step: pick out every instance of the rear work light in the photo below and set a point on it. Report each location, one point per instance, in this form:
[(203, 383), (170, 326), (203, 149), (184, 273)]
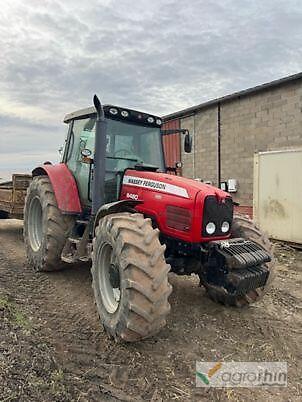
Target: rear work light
[(178, 218)]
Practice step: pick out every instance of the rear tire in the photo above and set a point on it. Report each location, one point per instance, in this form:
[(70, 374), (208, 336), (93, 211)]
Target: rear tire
[(245, 228), (46, 229), (130, 277)]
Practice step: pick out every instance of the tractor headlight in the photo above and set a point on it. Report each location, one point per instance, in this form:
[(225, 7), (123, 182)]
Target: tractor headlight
[(150, 119), (158, 121), (225, 227), (210, 228)]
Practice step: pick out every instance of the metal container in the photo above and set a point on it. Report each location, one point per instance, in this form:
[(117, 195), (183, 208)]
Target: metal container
[(278, 193)]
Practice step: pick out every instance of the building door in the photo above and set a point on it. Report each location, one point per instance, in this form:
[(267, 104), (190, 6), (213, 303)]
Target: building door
[(171, 145)]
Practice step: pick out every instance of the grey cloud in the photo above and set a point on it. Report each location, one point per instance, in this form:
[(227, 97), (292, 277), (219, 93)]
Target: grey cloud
[(158, 56)]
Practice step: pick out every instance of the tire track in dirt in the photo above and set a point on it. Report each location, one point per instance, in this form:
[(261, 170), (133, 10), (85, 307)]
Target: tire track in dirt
[(64, 311), (62, 308)]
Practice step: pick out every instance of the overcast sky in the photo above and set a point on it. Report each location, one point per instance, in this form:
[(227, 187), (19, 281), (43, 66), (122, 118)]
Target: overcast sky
[(157, 56)]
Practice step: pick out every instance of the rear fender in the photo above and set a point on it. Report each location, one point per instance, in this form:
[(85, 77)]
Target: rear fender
[(115, 207), (64, 186)]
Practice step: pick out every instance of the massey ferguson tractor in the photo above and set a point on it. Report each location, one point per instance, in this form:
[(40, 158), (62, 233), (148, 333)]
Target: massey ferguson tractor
[(112, 201)]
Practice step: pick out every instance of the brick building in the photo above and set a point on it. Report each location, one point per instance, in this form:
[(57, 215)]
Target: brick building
[(228, 131)]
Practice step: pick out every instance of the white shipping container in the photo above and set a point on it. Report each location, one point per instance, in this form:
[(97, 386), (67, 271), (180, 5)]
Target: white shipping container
[(278, 193)]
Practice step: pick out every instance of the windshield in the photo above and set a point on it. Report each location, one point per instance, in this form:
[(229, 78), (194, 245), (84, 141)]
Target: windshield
[(130, 144), (127, 144)]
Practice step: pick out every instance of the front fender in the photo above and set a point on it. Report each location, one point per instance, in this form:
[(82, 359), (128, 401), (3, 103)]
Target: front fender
[(113, 208)]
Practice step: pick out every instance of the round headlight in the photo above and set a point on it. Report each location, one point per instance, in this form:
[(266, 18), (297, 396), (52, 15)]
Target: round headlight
[(113, 111), (210, 228), (124, 113), (225, 227), (158, 121), (150, 119)]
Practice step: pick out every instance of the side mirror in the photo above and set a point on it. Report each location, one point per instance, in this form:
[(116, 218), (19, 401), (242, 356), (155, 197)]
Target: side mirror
[(188, 143), (86, 156), (86, 152)]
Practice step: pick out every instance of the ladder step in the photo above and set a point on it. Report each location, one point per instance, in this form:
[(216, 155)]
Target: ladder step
[(82, 222), (74, 240), (68, 259), (84, 259)]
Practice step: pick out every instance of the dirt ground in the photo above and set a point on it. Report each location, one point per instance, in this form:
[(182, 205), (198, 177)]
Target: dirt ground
[(52, 347)]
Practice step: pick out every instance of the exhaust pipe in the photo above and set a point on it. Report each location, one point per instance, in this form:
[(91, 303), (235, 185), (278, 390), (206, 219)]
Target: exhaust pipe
[(99, 168)]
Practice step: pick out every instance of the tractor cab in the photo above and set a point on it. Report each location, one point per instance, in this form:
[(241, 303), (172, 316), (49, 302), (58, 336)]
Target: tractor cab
[(132, 139)]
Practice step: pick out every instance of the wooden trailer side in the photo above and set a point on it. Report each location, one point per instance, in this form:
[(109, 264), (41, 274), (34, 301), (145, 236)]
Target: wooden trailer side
[(12, 196)]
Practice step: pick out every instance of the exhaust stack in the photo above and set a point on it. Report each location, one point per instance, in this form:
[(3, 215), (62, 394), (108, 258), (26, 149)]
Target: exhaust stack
[(98, 196)]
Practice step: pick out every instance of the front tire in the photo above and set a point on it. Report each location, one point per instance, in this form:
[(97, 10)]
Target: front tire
[(130, 277), (46, 229), (245, 228)]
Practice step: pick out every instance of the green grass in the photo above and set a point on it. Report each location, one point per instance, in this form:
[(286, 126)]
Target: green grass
[(57, 382), (15, 314)]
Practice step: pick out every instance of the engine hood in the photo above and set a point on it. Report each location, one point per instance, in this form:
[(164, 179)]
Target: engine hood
[(170, 184)]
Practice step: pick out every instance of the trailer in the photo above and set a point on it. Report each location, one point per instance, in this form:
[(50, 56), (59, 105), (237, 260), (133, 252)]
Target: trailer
[(12, 196)]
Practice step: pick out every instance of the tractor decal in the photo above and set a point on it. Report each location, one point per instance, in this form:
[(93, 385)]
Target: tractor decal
[(155, 185)]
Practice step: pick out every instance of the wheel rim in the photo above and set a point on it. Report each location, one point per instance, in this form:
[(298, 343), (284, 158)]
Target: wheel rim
[(109, 279), (35, 223)]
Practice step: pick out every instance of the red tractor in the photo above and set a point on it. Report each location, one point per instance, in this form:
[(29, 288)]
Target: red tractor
[(111, 201)]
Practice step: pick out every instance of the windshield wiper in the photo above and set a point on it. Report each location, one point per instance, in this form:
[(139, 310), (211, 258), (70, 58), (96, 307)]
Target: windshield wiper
[(150, 168), (120, 157)]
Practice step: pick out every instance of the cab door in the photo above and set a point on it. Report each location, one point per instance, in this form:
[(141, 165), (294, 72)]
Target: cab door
[(81, 137)]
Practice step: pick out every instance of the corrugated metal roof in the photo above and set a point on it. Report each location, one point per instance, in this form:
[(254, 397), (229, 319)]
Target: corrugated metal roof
[(235, 95)]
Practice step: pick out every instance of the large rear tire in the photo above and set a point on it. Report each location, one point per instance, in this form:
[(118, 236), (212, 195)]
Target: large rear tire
[(46, 229), (245, 228), (130, 277)]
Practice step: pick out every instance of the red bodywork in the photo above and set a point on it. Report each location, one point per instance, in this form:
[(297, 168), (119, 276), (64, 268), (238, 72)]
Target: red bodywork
[(174, 191), (157, 191), (64, 186)]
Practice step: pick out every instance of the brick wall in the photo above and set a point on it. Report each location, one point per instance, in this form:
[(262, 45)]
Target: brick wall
[(263, 121)]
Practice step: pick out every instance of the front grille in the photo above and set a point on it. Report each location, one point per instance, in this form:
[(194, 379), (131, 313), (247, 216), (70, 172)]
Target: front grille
[(217, 212), (178, 218)]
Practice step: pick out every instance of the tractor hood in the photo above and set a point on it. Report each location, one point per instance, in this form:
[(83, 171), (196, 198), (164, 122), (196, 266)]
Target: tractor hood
[(170, 184), (181, 207)]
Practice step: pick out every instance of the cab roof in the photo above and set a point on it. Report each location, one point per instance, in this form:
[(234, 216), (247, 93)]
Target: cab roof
[(116, 113)]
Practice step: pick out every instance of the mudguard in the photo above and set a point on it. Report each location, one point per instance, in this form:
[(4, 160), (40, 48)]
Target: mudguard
[(114, 207), (64, 186)]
